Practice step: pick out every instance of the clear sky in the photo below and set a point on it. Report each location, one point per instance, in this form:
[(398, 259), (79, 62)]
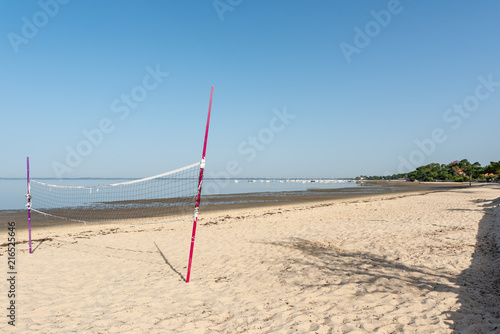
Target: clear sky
[(301, 88)]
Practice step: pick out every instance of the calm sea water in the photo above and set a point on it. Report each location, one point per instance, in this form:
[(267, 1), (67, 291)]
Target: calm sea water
[(12, 191)]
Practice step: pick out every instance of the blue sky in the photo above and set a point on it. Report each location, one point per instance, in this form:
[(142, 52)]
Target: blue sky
[(301, 89)]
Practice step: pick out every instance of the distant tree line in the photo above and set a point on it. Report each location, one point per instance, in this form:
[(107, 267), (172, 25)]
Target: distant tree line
[(458, 171)]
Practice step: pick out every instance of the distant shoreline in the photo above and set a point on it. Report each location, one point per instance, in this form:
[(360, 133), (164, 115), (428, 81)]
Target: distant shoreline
[(230, 202)]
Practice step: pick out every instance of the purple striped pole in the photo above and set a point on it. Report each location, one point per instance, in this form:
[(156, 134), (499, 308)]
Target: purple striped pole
[(28, 195), (198, 195)]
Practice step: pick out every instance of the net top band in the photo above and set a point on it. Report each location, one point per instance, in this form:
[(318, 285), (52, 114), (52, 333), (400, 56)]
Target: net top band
[(122, 183)]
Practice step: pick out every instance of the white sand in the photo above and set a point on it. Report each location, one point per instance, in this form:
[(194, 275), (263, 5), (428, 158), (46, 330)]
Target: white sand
[(390, 264)]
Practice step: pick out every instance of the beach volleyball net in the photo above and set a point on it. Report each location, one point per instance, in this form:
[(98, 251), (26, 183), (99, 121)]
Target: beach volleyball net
[(161, 198)]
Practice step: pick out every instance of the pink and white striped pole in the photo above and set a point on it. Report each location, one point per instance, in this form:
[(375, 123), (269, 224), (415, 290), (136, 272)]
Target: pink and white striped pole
[(28, 196), (198, 195)]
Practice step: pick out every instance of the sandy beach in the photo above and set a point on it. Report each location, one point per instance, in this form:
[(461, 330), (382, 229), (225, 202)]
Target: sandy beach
[(417, 262)]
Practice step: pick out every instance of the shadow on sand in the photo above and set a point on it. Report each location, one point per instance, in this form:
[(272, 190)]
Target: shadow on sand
[(40, 243), (478, 286), (169, 264), (334, 266), (479, 292)]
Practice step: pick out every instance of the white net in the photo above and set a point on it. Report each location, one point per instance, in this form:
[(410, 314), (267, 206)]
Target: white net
[(161, 198)]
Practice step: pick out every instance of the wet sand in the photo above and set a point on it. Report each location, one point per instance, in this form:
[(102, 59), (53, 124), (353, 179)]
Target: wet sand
[(223, 203)]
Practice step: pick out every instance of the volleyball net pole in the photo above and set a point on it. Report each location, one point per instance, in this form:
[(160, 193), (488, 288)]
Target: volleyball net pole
[(198, 194), (28, 197)]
